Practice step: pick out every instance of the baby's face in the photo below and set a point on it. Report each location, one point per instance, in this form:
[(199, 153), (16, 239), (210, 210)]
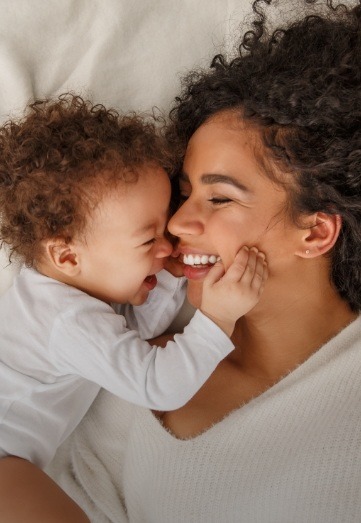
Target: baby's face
[(125, 245)]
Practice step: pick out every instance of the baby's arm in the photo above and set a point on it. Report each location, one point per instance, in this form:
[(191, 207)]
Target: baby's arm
[(103, 351)]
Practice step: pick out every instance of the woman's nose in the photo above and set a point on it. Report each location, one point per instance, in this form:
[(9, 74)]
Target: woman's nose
[(187, 220)]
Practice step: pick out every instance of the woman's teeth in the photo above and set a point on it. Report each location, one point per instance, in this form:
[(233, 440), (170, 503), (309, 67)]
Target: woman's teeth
[(200, 259)]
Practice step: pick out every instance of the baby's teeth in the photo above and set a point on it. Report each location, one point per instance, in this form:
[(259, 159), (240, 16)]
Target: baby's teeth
[(218, 258), (190, 259), (197, 259), (212, 259), (204, 259)]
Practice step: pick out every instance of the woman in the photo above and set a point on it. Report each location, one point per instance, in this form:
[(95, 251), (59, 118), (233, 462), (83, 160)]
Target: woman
[(272, 148), (273, 159)]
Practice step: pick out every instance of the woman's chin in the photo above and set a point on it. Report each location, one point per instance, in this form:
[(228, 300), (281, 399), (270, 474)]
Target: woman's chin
[(194, 292)]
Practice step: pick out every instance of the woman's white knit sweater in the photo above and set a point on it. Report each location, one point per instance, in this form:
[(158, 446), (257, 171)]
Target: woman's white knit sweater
[(291, 455)]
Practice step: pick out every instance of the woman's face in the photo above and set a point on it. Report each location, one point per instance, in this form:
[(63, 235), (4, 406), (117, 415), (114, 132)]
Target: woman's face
[(229, 202)]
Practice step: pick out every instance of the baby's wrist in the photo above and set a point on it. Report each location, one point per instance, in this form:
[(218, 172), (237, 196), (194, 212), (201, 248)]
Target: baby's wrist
[(227, 326)]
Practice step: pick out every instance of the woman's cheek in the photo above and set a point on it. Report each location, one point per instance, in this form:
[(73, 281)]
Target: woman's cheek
[(228, 237), (228, 250)]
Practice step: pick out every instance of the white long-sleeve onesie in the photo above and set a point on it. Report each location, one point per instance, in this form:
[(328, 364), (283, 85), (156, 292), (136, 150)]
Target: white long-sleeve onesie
[(59, 346)]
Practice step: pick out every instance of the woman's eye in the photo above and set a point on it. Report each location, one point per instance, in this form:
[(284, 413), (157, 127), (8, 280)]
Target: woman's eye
[(219, 201)]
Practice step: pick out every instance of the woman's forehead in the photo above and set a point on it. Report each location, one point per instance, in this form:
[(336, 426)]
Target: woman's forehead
[(221, 145), (226, 141), (226, 127)]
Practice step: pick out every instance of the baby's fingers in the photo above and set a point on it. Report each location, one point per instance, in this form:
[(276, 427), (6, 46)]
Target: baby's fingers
[(215, 274), (239, 265), (249, 267), (260, 273)]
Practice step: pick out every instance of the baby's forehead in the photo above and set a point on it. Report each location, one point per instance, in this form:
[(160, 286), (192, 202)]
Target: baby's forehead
[(140, 193), (130, 213), (120, 180), (130, 174)]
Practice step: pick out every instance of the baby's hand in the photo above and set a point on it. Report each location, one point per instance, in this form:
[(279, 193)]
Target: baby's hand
[(228, 296)]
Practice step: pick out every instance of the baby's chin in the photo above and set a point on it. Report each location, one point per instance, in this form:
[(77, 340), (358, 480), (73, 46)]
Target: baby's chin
[(194, 293)]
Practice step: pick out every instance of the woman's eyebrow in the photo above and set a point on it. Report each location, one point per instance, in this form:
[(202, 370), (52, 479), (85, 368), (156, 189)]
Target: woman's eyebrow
[(210, 179)]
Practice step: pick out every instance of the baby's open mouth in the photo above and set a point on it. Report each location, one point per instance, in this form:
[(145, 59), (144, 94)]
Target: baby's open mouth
[(200, 259), (151, 279)]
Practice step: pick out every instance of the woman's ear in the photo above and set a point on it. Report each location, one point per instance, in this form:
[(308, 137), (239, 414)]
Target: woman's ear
[(320, 236), (62, 256)]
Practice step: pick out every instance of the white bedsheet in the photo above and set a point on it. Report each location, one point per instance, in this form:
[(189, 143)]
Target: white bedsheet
[(127, 54)]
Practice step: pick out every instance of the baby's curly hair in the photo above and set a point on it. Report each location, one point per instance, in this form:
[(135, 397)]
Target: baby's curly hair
[(57, 162), (300, 86)]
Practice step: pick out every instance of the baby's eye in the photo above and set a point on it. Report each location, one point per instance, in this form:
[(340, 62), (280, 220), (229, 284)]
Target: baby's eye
[(150, 242), (219, 201)]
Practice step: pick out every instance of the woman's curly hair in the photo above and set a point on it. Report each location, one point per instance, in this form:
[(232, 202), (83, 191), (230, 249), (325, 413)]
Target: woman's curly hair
[(301, 86), (57, 162)]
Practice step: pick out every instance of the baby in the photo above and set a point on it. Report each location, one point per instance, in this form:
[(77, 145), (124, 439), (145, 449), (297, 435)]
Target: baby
[(84, 198)]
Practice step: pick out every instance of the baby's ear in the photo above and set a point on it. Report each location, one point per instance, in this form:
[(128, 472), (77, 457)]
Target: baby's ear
[(62, 256), (320, 235)]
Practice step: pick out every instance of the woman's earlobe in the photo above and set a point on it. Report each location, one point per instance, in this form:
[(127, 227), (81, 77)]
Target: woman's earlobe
[(320, 236)]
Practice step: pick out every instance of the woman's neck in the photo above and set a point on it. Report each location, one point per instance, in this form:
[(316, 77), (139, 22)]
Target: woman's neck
[(288, 325), (275, 338)]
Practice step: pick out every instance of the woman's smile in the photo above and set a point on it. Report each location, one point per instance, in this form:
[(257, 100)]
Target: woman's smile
[(197, 266), (195, 263), (200, 259)]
